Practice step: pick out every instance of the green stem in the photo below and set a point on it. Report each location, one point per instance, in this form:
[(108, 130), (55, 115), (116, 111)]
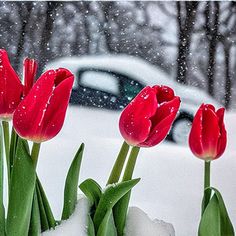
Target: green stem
[(12, 151), (35, 153), (207, 172), (121, 208), (119, 164), (5, 126), (2, 210), (207, 195), (131, 164)]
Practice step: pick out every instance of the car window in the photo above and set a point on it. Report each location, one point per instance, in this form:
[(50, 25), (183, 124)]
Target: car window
[(99, 80), (130, 88)]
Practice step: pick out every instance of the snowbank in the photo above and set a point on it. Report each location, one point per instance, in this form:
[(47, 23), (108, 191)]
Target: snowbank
[(139, 224), (77, 223)]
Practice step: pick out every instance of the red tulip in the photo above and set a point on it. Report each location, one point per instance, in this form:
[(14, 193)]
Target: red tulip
[(40, 115), (208, 137), (146, 121), (10, 87), (30, 68)]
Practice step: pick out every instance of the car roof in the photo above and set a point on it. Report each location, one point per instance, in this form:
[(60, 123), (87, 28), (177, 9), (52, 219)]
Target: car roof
[(131, 66), (136, 68)]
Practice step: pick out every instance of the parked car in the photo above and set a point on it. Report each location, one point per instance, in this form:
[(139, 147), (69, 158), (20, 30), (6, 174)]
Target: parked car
[(112, 81)]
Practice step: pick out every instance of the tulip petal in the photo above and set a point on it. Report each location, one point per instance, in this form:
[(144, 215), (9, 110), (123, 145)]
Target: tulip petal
[(135, 121), (10, 87), (40, 116), (62, 74), (195, 136), (55, 114), (164, 110), (164, 93), (222, 142), (210, 106), (30, 68), (210, 132), (160, 131), (29, 113), (161, 122)]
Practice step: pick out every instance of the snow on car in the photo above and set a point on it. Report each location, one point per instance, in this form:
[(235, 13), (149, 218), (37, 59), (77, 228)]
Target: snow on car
[(112, 81)]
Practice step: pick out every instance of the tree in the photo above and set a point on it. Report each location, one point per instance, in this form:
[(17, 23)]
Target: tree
[(186, 15), (228, 82), (44, 53), (227, 36), (211, 28), (24, 10)]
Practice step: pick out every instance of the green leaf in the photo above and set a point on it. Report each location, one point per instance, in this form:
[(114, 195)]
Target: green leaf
[(110, 197), (120, 213), (71, 185), (206, 198), (2, 210), (51, 222), (210, 221), (215, 220), (226, 225), (35, 222), (26, 145), (92, 191), (22, 187), (91, 230), (43, 216), (107, 227)]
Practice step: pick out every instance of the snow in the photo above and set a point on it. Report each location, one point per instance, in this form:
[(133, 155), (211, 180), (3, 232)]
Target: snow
[(76, 225), (171, 183), (104, 82), (139, 224), (120, 63)]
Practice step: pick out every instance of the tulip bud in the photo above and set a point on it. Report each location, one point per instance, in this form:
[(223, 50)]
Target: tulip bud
[(146, 121), (10, 87), (208, 137), (40, 115)]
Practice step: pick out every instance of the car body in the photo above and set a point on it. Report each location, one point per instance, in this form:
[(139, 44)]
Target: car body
[(112, 81)]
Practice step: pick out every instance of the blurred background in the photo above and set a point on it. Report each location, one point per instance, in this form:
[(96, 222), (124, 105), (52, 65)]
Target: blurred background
[(192, 42)]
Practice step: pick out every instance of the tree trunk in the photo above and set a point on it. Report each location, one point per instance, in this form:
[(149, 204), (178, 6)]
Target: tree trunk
[(45, 54), (106, 8), (85, 8), (24, 11), (211, 28), (228, 83), (186, 26)]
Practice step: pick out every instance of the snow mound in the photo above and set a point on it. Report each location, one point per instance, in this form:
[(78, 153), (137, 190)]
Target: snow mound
[(139, 224), (76, 225)]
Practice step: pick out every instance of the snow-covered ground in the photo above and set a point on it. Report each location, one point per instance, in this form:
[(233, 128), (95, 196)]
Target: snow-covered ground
[(172, 178), (77, 223), (139, 224)]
